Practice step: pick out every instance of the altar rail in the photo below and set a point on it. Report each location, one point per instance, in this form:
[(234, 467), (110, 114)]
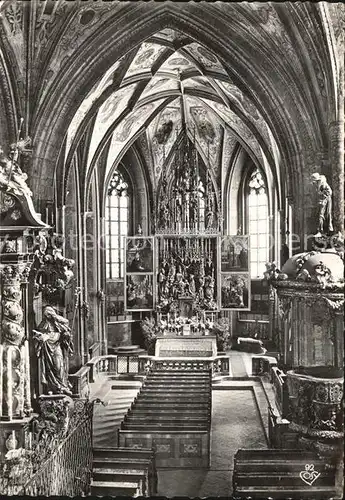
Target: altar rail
[(109, 365), (90, 372), (217, 365)]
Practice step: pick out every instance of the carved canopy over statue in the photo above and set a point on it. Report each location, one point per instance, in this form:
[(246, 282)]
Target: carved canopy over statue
[(187, 200), (53, 345), (324, 192)]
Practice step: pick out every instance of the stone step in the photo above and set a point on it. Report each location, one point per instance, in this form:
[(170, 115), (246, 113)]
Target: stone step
[(163, 411), (107, 426), (106, 439), (149, 427), (174, 390), (160, 399), (194, 396), (179, 375), (177, 383), (109, 488), (125, 384), (177, 405), (182, 376), (164, 418), (110, 413), (174, 383), (106, 434), (117, 404)]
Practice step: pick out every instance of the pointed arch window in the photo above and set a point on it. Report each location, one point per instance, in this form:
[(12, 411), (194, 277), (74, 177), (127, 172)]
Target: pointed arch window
[(117, 217), (258, 222)]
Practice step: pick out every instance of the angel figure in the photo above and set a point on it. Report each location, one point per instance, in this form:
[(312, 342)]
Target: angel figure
[(11, 176)]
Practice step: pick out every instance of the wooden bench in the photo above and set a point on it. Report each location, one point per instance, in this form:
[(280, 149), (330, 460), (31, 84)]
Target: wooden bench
[(123, 466), (277, 474)]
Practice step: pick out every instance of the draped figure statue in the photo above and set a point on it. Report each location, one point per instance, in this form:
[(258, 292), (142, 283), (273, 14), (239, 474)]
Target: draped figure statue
[(53, 344), (324, 192)]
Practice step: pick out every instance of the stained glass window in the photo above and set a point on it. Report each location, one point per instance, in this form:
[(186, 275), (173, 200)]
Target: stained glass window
[(258, 222), (116, 224)]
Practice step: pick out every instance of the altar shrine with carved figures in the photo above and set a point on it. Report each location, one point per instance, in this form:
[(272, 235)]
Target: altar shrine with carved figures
[(172, 249)]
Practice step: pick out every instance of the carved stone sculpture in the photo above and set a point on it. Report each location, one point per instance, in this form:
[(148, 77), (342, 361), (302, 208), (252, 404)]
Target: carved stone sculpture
[(324, 223), (12, 327), (12, 179), (54, 272), (53, 345)]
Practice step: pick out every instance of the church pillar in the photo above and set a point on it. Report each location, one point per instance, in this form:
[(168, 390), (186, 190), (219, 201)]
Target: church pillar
[(336, 131), (336, 136), (140, 213)]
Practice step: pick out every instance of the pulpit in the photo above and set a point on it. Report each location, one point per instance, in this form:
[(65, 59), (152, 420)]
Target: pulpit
[(310, 292)]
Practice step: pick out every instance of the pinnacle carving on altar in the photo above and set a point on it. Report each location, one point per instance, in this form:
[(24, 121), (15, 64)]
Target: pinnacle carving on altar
[(187, 198), (16, 206), (12, 178)]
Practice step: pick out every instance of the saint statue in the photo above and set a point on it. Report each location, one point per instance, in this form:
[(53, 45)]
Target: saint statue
[(325, 204), (209, 219), (53, 344)]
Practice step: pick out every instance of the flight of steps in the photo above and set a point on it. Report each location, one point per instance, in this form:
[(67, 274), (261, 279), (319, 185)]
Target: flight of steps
[(107, 419), (123, 472), (171, 400), (276, 473)]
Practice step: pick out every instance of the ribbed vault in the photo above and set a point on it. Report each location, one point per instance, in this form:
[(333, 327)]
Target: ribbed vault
[(266, 74)]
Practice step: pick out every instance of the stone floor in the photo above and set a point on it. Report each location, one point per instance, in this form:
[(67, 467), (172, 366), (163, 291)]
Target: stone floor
[(236, 424)]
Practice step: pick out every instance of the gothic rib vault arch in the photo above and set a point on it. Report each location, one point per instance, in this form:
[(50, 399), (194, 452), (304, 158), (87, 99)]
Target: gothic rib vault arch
[(277, 96)]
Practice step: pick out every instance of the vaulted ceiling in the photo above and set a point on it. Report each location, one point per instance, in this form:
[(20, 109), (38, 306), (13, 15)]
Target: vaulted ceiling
[(265, 75), (167, 82)]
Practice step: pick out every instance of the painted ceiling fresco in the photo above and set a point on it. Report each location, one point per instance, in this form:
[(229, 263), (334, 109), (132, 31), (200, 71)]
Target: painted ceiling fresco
[(161, 89)]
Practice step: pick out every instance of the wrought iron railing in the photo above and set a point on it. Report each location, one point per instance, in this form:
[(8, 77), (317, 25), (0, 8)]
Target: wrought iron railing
[(140, 365), (62, 465)]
